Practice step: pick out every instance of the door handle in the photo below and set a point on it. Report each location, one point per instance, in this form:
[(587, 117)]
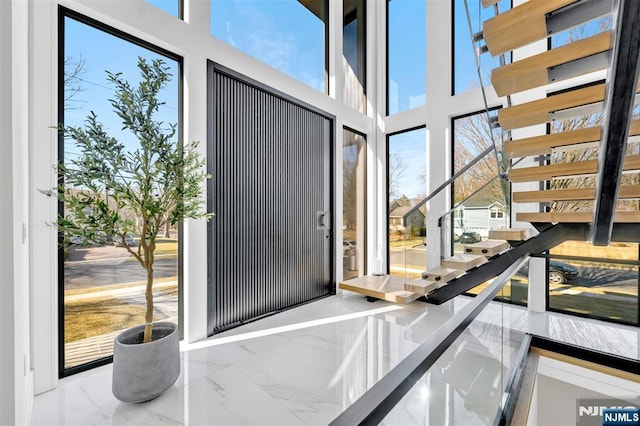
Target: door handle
[(323, 220)]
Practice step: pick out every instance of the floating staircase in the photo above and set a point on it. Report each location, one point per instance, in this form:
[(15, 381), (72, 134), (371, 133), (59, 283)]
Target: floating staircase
[(533, 22), (617, 52), (399, 289)]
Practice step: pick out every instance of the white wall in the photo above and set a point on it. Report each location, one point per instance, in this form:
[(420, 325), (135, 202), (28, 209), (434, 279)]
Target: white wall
[(16, 384), (7, 359)]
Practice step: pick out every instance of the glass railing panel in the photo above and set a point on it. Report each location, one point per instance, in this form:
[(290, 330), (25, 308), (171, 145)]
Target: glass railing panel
[(474, 217), (407, 252), (466, 384), (468, 18)]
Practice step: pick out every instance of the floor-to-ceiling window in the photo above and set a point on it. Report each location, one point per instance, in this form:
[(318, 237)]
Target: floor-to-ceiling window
[(406, 55), (101, 286), (480, 198), (287, 35), (354, 35), (354, 198), (465, 69), (407, 187)]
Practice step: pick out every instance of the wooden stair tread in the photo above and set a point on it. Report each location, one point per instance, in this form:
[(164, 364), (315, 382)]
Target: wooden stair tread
[(487, 247), (520, 25), (534, 71), (539, 173), (510, 234), (441, 274), (539, 111), (576, 217), (384, 287), (422, 286), (463, 262), (544, 144), (549, 195)]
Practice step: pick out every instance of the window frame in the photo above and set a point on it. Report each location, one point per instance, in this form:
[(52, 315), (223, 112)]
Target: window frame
[(452, 161), (387, 219), (364, 224), (62, 14)]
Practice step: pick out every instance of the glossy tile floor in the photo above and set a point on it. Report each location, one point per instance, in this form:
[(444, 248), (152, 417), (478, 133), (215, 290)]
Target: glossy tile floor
[(308, 364)]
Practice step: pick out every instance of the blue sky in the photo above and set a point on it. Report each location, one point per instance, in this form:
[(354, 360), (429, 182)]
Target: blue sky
[(407, 60), (410, 149), (101, 51), (465, 71), (284, 34)]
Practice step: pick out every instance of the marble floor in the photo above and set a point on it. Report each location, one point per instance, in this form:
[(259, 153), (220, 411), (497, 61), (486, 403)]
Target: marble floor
[(308, 364)]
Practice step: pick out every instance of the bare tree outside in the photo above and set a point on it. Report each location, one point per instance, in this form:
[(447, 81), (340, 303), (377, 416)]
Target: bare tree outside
[(472, 135), (74, 69), (569, 155), (396, 172)]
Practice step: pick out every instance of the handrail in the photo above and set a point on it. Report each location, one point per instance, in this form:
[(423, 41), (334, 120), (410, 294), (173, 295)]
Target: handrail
[(476, 57), (460, 203), (447, 183), (378, 401), (491, 148)]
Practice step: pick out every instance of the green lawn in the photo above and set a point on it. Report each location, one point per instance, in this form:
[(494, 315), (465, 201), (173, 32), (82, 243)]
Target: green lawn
[(95, 317)]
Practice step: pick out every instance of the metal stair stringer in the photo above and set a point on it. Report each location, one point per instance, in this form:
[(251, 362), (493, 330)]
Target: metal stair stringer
[(546, 239)]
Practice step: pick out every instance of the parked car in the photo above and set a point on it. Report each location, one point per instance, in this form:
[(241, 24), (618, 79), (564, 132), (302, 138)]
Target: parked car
[(117, 241), (560, 273), (99, 239), (470, 238)]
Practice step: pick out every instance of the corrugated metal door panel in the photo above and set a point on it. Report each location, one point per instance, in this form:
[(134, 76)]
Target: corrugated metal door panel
[(270, 161)]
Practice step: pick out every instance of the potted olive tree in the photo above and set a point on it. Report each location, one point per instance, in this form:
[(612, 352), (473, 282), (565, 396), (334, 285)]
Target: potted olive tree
[(110, 188)]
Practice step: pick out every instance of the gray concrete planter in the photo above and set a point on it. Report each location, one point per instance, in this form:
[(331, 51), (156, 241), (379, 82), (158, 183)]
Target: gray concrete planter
[(141, 372)]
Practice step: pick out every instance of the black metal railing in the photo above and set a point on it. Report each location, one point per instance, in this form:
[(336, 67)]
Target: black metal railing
[(378, 401)]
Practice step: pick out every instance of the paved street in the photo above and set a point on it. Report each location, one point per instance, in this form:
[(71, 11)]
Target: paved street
[(101, 266)]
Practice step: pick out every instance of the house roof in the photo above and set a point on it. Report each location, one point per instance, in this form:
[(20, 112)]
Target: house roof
[(481, 203), (403, 210)]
